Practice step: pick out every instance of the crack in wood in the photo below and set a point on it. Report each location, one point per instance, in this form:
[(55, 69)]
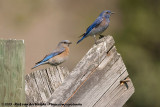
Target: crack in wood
[(94, 82)]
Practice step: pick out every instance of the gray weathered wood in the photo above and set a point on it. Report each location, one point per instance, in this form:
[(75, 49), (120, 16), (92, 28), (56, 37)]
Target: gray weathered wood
[(39, 85), (12, 61), (102, 69), (89, 62), (94, 82)]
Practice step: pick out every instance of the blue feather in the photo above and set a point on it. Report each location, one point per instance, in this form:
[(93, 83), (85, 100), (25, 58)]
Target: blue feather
[(95, 23), (47, 57), (81, 39), (50, 56), (41, 63)]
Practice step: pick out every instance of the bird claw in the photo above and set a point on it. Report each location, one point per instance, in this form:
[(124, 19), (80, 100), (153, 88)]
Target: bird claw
[(101, 36)]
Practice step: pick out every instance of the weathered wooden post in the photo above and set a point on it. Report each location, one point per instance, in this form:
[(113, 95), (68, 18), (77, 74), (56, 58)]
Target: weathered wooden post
[(94, 82), (12, 66), (41, 84)]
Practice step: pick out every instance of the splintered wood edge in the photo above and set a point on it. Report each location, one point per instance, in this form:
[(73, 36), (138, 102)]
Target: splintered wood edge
[(61, 92), (99, 82), (74, 79), (40, 84)]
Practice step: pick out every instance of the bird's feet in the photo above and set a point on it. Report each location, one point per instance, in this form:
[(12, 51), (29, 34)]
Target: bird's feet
[(101, 36)]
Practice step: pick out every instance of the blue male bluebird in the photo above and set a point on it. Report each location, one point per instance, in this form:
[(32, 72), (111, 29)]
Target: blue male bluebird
[(58, 56), (98, 26)]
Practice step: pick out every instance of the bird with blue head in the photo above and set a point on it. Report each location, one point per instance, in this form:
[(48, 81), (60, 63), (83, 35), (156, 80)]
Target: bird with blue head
[(58, 56), (98, 26)]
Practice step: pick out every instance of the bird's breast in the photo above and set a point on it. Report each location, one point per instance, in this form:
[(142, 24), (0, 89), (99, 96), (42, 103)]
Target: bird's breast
[(56, 60), (100, 28)]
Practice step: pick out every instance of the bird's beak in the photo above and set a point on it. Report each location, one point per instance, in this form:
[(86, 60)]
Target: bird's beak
[(70, 43), (112, 12)]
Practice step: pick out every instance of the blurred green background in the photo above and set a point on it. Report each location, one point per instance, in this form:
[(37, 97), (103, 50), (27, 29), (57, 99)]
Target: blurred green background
[(135, 28)]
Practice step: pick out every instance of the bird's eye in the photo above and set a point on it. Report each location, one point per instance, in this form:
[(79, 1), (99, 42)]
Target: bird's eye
[(107, 12)]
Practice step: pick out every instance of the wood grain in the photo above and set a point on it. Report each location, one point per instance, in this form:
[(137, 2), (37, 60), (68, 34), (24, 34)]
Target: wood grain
[(40, 84), (102, 69), (94, 82), (12, 65)]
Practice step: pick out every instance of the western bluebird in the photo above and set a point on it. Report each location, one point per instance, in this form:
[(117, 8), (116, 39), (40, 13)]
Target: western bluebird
[(98, 26), (58, 56)]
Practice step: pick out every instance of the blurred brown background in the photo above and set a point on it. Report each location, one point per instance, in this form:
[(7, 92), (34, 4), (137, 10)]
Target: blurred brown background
[(135, 28), (43, 23)]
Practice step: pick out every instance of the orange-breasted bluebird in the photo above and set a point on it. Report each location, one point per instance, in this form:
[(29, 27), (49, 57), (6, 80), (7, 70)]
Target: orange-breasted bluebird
[(98, 26), (58, 56)]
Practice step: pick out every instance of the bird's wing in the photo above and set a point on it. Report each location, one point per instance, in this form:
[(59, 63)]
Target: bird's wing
[(95, 23), (54, 53)]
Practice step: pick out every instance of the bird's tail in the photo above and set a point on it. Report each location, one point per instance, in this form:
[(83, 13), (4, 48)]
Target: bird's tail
[(81, 39), (82, 35), (41, 63)]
